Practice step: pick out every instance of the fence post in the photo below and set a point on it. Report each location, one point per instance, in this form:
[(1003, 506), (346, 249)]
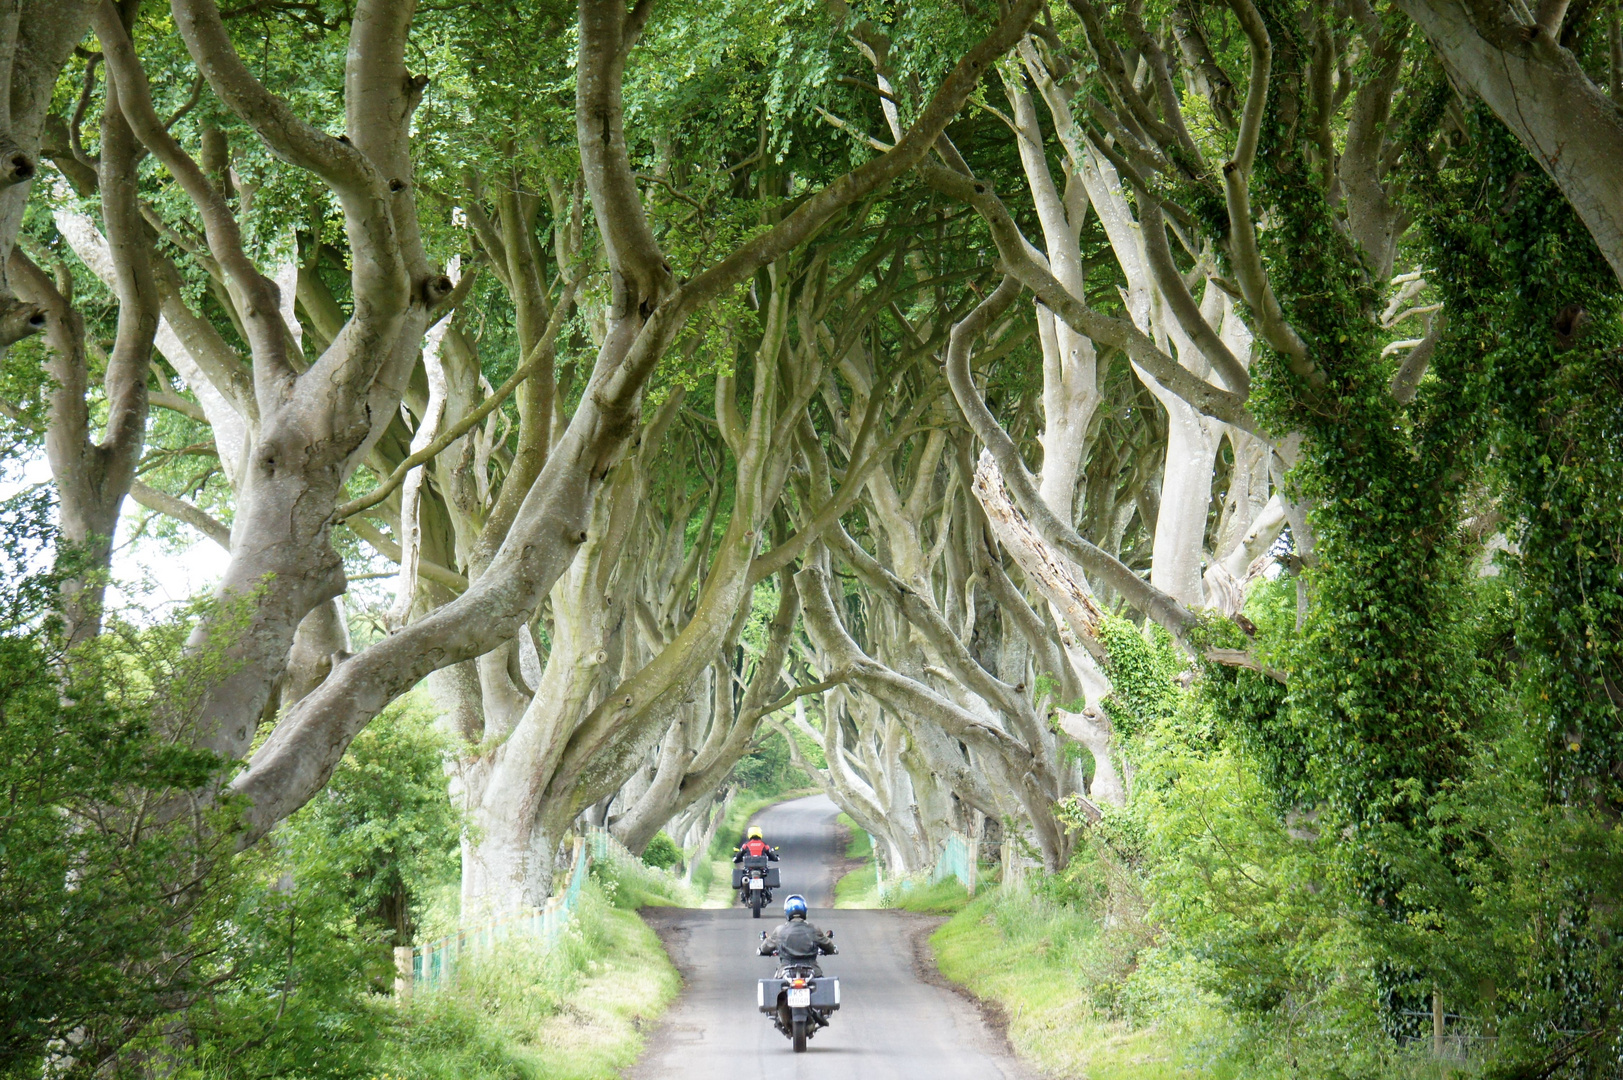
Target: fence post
[(1437, 1024), (878, 867), (402, 972), (1011, 872), (972, 851)]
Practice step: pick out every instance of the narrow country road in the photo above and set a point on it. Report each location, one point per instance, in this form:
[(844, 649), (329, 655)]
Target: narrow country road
[(893, 1024)]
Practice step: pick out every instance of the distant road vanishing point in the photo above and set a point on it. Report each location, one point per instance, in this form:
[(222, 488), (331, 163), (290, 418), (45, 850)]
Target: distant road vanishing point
[(893, 1024)]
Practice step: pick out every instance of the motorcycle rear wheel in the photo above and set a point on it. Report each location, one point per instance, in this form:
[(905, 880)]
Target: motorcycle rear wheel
[(800, 1036), (755, 904)]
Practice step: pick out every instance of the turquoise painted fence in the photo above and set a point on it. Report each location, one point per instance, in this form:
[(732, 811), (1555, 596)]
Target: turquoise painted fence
[(957, 859), (433, 964), (606, 847)]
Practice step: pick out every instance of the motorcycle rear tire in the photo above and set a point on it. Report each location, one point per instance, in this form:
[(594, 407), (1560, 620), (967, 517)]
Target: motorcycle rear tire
[(800, 1036), (755, 904)]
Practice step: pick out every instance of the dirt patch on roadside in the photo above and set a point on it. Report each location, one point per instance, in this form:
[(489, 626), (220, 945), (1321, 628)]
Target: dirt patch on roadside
[(993, 1015), (666, 925), (676, 938)]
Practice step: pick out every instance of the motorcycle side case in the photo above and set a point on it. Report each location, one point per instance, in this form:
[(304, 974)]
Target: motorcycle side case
[(825, 993)]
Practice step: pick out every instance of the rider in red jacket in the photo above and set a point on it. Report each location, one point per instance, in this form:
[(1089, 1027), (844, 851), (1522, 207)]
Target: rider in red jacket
[(755, 845)]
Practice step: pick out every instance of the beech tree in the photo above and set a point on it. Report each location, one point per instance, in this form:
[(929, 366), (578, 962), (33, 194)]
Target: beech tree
[(970, 394)]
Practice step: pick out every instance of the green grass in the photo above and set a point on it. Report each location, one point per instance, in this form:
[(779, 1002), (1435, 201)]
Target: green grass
[(861, 845), (1035, 958), (1082, 1002), (633, 885), (574, 1012), (944, 897), (860, 887)]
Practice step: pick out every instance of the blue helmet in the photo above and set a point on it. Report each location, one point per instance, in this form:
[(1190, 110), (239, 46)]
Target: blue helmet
[(794, 907)]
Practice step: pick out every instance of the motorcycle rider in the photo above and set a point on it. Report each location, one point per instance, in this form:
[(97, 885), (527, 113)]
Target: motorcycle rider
[(755, 845), (797, 941)]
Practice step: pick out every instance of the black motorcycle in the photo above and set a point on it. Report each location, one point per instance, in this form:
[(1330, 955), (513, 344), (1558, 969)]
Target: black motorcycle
[(755, 880), (798, 999)]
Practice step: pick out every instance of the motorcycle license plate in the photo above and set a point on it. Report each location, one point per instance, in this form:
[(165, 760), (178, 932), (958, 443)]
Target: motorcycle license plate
[(799, 999), (757, 883)]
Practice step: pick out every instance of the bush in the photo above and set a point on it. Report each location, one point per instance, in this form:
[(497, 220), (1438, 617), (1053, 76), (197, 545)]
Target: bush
[(299, 976), (384, 826), (105, 898), (662, 852)]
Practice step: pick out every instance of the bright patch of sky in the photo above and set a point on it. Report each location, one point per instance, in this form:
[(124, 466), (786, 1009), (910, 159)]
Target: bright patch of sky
[(150, 577)]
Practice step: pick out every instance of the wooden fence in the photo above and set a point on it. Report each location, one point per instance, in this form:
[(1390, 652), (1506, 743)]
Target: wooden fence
[(433, 964)]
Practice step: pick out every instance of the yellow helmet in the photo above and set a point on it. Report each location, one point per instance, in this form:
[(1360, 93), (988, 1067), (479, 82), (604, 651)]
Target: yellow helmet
[(754, 833)]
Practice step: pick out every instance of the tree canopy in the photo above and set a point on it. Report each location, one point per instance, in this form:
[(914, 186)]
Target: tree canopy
[(1178, 433)]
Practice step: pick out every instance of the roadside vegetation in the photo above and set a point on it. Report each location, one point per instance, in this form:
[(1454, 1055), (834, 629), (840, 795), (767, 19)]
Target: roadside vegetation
[(281, 959), (1043, 964), (859, 887), (312, 933), (575, 1011), (1083, 997), (1179, 439), (1182, 921)]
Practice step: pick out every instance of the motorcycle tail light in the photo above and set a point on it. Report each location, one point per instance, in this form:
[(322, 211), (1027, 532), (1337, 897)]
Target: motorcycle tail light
[(798, 983)]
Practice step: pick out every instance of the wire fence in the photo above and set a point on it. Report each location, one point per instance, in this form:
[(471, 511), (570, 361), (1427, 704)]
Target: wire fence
[(1461, 1039), (1016, 866), (1451, 1037), (433, 964)]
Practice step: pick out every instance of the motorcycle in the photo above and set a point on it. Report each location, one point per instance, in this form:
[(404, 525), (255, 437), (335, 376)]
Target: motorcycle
[(755, 880), (798, 999)]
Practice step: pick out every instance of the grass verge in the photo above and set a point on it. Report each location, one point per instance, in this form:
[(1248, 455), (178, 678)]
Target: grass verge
[(576, 1011), (633, 885), (944, 897), (860, 887), (1081, 1002), (1032, 957)]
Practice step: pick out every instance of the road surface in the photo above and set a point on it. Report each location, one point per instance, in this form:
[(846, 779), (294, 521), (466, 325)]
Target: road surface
[(893, 1024)]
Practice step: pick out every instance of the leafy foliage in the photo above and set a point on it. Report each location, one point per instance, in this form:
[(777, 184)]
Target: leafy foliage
[(102, 881), (662, 852), (383, 829)]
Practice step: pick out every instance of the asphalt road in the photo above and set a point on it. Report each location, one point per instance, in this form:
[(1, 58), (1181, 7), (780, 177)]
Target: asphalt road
[(894, 1023)]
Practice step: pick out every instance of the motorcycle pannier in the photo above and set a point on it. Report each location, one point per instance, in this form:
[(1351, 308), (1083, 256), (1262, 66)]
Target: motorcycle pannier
[(825, 993)]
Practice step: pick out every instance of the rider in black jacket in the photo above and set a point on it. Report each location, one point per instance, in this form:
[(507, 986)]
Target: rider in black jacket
[(797, 941)]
